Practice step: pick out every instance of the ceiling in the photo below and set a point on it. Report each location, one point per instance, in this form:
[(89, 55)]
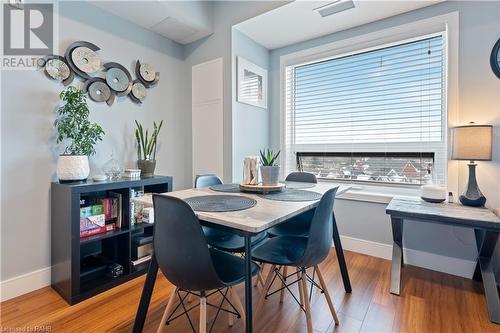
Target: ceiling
[(297, 21), (181, 21)]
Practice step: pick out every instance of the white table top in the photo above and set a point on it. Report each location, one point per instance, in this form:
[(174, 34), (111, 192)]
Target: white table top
[(265, 214)]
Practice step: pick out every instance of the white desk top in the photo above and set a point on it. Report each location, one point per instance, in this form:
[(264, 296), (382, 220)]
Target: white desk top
[(265, 214)]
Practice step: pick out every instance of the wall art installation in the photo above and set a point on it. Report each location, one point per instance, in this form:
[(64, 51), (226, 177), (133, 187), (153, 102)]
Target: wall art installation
[(102, 82)]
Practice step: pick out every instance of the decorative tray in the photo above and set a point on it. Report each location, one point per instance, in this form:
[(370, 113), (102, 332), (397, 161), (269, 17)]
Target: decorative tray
[(262, 188)]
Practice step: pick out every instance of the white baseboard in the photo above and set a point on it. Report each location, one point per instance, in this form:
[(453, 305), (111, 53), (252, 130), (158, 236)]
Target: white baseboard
[(436, 262), (26, 283), (23, 284)]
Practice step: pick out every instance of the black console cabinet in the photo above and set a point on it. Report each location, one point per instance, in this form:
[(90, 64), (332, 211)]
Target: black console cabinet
[(72, 280)]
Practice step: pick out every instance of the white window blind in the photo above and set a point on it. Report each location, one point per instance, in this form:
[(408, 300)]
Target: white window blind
[(386, 100)]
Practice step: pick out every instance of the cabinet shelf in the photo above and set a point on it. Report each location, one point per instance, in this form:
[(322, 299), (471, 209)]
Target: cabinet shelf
[(74, 275)]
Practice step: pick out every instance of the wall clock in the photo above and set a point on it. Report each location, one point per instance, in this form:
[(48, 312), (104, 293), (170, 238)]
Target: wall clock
[(495, 59)]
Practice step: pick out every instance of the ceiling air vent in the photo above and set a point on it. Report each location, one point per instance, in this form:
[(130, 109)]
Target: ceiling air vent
[(334, 7)]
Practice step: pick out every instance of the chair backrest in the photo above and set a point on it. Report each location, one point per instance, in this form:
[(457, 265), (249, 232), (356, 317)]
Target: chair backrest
[(180, 247), (320, 232), (206, 181), (305, 177)]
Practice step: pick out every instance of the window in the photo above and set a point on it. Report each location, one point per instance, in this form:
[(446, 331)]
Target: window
[(376, 116)]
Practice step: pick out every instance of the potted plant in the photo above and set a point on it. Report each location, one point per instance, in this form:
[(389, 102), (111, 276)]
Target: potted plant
[(269, 170), (146, 148), (74, 128)]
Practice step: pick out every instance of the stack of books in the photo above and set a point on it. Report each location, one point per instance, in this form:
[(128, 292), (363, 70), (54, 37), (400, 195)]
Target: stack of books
[(100, 215)]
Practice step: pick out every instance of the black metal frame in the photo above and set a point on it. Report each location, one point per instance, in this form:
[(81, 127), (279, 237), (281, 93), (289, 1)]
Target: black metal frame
[(493, 59)]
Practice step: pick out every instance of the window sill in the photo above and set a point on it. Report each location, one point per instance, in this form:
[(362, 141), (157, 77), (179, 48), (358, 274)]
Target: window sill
[(376, 193)]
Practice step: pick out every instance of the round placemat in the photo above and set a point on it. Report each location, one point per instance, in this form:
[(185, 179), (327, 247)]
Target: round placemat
[(292, 195), (298, 185), (220, 203), (229, 188)]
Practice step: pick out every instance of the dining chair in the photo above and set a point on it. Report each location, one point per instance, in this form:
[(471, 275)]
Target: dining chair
[(218, 238), (193, 267), (301, 253), (298, 225)]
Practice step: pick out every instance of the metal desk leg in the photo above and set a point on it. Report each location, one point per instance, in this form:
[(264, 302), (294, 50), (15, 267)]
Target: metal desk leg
[(486, 242), (248, 285), (397, 254), (340, 257), (147, 291)]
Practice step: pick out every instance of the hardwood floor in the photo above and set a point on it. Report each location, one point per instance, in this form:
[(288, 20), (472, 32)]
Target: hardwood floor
[(430, 302)]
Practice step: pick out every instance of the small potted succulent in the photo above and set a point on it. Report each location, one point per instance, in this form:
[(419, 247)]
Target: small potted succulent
[(75, 129), (269, 170), (146, 148)]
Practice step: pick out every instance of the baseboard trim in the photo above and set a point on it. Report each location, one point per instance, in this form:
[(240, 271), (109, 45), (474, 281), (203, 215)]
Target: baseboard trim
[(23, 284), (29, 282), (435, 262)]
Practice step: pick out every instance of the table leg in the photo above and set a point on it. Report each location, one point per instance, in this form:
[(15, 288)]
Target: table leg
[(340, 257), (486, 242), (248, 285), (397, 254), (147, 291)]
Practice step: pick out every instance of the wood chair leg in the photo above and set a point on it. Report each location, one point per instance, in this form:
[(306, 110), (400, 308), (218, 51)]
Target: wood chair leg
[(307, 306), (168, 308), (237, 304), (327, 295), (203, 314), (267, 285), (282, 293), (299, 285)]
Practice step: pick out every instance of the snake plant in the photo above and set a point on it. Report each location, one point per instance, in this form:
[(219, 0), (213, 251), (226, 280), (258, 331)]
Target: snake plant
[(146, 146)]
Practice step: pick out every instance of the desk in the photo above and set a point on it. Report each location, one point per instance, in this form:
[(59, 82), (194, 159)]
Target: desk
[(486, 227), (247, 223)]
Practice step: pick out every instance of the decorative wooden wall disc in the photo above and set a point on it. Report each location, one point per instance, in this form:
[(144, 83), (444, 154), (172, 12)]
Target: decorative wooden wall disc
[(99, 91), (147, 72), (57, 69), (117, 79), (85, 59), (139, 91)]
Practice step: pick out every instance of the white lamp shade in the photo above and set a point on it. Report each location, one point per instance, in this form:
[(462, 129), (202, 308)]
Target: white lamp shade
[(472, 142)]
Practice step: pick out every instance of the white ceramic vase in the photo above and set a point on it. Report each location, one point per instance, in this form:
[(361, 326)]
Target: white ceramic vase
[(73, 167)]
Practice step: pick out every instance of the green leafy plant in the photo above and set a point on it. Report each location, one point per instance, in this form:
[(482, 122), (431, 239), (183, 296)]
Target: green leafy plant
[(268, 157), (73, 124), (146, 146)]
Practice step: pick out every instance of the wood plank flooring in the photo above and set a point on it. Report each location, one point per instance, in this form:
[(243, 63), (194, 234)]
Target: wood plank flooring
[(430, 302)]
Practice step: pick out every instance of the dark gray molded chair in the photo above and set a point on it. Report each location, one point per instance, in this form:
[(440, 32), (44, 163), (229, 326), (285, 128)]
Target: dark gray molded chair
[(222, 239), (299, 225), (301, 252), (187, 262)]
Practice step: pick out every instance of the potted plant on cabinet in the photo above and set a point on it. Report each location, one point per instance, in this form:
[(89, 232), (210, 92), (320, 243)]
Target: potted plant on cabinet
[(269, 170), (146, 148), (74, 128)]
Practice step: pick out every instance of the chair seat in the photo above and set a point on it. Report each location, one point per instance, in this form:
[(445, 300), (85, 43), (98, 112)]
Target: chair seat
[(229, 241), (230, 268), (281, 250), (296, 226)]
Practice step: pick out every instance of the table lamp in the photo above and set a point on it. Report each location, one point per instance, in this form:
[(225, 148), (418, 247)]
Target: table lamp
[(472, 142)]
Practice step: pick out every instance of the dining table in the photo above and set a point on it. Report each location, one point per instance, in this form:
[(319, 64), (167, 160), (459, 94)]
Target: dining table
[(246, 223)]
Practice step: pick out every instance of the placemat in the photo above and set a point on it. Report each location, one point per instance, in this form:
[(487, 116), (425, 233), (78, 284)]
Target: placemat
[(228, 188), (298, 185), (292, 195), (220, 203)]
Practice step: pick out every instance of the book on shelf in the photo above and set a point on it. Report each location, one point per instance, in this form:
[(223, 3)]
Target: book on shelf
[(116, 208), (97, 230), (141, 260)]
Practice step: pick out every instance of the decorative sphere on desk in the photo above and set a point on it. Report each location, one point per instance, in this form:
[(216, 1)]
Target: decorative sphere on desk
[(433, 193)]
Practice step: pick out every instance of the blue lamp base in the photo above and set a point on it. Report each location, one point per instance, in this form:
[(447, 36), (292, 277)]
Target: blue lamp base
[(472, 196)]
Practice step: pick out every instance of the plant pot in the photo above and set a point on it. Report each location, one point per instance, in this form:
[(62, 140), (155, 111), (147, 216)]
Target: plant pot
[(147, 167), (72, 168), (270, 175)]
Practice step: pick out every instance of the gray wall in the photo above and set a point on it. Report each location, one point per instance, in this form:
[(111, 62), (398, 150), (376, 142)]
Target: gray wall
[(479, 101), (250, 123), (27, 137), (226, 14)]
